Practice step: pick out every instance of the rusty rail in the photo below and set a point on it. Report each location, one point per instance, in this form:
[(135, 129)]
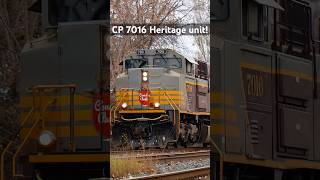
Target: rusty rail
[(168, 156), (185, 174)]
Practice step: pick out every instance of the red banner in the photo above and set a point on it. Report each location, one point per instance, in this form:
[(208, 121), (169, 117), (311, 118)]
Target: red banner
[(144, 97), (101, 114)]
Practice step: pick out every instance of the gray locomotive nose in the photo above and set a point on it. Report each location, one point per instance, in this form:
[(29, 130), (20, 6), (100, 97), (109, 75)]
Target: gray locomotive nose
[(155, 77), (134, 77)]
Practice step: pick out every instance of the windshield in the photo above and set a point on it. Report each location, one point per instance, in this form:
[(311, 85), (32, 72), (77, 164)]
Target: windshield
[(135, 63), (167, 62)]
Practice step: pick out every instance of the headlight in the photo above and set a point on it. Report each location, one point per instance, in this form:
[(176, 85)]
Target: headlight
[(46, 138), (145, 74), (124, 105), (145, 78), (156, 105)]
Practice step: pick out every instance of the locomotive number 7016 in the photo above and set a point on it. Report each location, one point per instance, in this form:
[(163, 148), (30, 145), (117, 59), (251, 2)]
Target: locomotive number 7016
[(254, 85)]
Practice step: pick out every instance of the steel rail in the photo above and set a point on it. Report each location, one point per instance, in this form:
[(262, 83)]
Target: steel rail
[(150, 151), (167, 157), (185, 174)]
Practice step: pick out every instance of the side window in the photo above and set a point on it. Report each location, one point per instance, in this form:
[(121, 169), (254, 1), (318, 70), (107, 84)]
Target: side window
[(254, 20), (293, 28), (189, 68), (202, 70), (219, 10)]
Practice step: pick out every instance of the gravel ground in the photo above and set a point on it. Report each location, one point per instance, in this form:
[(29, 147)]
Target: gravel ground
[(179, 166), (161, 168)]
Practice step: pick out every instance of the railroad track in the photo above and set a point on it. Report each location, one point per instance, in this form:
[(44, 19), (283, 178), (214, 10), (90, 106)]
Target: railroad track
[(185, 174), (189, 149), (168, 156)]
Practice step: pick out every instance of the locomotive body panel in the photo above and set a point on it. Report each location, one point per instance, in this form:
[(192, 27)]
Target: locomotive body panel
[(54, 104), (264, 94)]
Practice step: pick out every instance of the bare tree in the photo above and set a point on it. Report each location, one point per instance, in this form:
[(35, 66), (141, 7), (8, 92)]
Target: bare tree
[(202, 15), (17, 26), (142, 12)]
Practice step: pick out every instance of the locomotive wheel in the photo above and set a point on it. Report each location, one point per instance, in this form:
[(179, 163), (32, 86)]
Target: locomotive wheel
[(125, 142), (173, 144), (142, 144), (182, 142)]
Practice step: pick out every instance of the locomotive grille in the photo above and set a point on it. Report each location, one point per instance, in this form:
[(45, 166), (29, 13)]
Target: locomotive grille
[(254, 131)]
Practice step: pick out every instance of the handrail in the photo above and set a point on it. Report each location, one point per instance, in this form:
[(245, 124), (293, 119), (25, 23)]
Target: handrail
[(174, 114), (27, 117), (173, 105), (145, 119), (35, 89), (26, 138), (22, 144), (122, 96), (55, 86), (114, 108), (221, 157), (159, 95), (314, 59), (41, 88), (2, 159), (11, 142), (171, 101), (125, 93), (174, 110)]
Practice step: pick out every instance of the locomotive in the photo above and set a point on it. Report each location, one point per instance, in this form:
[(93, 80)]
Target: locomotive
[(265, 89), (161, 100), (64, 97)]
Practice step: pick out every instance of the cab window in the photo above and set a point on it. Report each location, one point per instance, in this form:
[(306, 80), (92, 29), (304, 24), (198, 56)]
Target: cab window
[(189, 68), (293, 29), (254, 20), (167, 62), (135, 63)]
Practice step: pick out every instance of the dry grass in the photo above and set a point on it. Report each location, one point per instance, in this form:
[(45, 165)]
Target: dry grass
[(122, 167)]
